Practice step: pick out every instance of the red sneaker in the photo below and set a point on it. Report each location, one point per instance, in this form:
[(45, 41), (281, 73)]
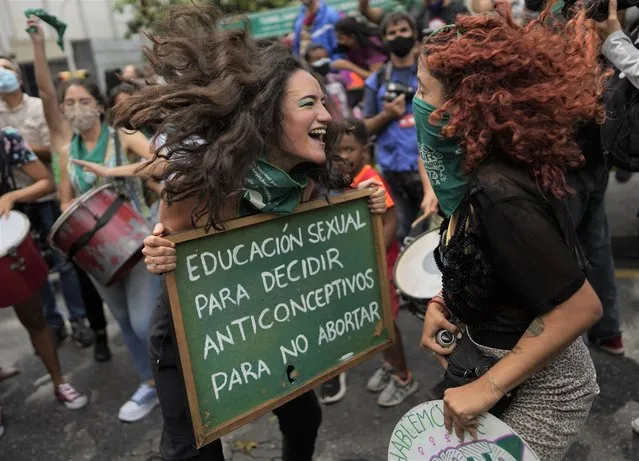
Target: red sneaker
[(613, 346), (72, 399)]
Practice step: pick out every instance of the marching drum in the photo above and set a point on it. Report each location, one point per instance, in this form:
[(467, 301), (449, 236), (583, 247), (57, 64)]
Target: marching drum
[(23, 270), (102, 233), (421, 435), (417, 276)]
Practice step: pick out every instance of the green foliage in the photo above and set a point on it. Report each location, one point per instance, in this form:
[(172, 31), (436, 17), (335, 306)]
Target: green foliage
[(146, 13)]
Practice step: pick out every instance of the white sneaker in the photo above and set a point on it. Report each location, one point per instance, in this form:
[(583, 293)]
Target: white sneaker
[(333, 390), (141, 403), (380, 378), (397, 391)]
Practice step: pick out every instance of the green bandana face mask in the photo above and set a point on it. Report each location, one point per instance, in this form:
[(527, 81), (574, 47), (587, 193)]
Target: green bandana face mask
[(268, 189), (441, 157)]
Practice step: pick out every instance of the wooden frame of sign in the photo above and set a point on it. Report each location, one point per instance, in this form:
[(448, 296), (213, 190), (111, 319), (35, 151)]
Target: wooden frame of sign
[(203, 437)]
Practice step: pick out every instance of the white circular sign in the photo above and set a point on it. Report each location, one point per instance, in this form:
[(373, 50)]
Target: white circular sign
[(421, 435)]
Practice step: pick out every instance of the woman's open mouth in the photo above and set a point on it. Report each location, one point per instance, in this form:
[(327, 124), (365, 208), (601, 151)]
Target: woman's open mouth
[(318, 134)]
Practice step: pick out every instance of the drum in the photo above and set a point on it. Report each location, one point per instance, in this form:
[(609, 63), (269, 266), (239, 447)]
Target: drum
[(102, 233), (416, 275), (421, 435), (23, 271)]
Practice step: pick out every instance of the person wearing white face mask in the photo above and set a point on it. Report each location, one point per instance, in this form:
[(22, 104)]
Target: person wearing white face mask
[(77, 132)]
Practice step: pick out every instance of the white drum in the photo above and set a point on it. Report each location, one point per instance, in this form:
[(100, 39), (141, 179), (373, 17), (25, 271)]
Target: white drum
[(421, 435), (416, 273)]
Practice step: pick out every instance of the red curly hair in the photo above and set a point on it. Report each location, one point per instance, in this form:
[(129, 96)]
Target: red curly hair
[(519, 90)]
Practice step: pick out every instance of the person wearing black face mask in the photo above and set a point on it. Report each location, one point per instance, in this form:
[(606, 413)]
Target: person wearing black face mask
[(400, 46), (389, 115), (317, 58)]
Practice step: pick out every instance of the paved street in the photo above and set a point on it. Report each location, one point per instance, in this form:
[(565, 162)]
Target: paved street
[(355, 429)]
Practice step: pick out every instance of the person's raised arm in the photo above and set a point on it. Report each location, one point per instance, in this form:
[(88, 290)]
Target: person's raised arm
[(373, 14), (65, 188), (59, 129)]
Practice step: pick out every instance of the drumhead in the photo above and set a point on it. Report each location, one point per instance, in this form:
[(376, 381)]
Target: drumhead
[(416, 272), (421, 435), (74, 206), (13, 230)]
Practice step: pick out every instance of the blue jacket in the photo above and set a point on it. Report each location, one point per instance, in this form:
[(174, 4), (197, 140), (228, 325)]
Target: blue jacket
[(323, 30)]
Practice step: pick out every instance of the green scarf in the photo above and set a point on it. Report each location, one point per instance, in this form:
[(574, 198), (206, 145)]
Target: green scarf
[(268, 189), (59, 26), (442, 158), (82, 180)]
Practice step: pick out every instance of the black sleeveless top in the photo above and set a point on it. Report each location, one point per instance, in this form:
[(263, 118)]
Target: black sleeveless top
[(514, 255)]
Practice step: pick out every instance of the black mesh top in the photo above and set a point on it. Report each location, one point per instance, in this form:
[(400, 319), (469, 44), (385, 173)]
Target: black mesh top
[(513, 256)]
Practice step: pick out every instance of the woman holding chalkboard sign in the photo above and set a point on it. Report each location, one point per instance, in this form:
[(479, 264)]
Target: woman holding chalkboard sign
[(246, 130), (495, 112)]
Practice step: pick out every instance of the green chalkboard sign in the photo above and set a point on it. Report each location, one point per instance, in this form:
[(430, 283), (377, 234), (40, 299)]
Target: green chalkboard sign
[(273, 306)]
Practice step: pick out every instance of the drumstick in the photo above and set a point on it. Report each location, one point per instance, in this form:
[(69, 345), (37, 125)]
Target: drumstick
[(419, 220)]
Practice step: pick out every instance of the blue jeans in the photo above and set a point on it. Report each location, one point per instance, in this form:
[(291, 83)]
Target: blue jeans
[(131, 302), (588, 213), (42, 216), (407, 192)]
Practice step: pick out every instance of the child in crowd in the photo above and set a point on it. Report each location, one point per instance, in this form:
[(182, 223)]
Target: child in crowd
[(393, 379), (317, 58)]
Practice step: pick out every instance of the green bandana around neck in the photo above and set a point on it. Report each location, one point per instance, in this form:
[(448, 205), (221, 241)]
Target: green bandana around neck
[(268, 189), (441, 157), (85, 180)]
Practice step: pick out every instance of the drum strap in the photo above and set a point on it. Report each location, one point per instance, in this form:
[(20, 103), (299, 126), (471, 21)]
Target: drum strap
[(119, 182), (99, 224)]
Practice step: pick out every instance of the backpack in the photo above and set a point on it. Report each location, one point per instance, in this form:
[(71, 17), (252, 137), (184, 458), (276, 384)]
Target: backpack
[(620, 131)]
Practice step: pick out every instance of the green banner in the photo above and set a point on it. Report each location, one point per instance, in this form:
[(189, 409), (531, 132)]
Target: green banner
[(280, 22)]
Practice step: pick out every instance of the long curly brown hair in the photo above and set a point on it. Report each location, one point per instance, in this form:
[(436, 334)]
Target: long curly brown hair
[(219, 107), (519, 91)]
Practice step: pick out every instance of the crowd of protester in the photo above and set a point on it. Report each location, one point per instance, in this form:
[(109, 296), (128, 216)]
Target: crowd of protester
[(368, 65)]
